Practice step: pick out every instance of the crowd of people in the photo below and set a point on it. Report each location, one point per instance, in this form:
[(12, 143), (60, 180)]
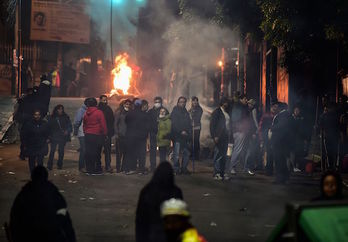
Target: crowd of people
[(278, 140)]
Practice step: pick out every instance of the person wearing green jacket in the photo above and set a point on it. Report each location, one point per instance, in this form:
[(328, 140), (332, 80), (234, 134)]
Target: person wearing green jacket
[(163, 134)]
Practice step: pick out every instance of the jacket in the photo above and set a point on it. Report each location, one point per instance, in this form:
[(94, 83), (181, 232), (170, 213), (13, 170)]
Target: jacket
[(218, 125), (153, 119), (109, 118), (120, 125), (137, 122), (39, 213), (35, 135), (181, 121), (94, 122), (280, 130), (78, 121), (196, 116), (57, 126), (148, 221), (164, 128)]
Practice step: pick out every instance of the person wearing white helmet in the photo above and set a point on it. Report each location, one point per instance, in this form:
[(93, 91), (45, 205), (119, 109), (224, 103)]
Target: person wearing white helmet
[(176, 218)]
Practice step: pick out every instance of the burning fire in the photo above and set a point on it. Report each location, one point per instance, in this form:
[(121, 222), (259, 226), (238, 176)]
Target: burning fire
[(122, 75)]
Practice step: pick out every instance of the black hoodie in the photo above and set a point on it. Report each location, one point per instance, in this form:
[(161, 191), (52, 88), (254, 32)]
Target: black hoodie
[(149, 225)]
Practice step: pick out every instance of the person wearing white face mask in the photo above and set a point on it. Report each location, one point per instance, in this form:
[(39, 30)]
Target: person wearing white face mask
[(154, 115), (120, 132)]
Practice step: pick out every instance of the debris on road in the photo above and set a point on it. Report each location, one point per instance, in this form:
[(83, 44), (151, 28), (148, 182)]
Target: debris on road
[(91, 198), (213, 224), (83, 198), (252, 235), (11, 173), (206, 194), (270, 225), (243, 210), (61, 191)]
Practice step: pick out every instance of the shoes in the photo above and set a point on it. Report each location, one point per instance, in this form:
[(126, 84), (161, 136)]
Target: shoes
[(233, 171), (186, 172), (109, 170), (296, 170), (130, 172), (83, 170), (250, 172), (218, 177)]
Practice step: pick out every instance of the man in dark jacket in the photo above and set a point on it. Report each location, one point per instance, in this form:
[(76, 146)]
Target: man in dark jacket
[(154, 113), (110, 120), (219, 131), (196, 113), (148, 222), (240, 119), (60, 129), (136, 135), (280, 138), (120, 133), (35, 137), (95, 130), (181, 135), (39, 212)]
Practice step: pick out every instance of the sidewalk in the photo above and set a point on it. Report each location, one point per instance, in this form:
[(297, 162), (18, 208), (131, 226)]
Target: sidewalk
[(6, 110)]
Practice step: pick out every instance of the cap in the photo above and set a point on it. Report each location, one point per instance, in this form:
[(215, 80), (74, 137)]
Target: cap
[(174, 207)]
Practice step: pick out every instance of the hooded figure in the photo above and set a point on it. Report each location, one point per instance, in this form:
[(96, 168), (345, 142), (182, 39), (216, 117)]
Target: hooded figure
[(148, 222), (39, 212)]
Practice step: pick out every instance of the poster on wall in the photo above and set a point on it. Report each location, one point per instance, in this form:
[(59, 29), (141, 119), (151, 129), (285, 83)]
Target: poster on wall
[(59, 21)]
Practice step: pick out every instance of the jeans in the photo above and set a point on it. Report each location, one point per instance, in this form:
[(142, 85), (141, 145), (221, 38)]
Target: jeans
[(82, 163), (280, 160), (94, 144), (54, 145), (185, 157), (33, 159), (107, 152), (153, 150), (120, 153), (219, 158), (163, 153), (196, 144), (238, 149), (135, 151)]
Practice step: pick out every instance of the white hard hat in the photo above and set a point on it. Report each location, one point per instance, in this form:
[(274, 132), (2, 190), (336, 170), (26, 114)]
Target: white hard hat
[(174, 206)]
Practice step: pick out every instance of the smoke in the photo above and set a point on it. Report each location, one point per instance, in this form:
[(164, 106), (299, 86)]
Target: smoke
[(124, 23), (194, 40)]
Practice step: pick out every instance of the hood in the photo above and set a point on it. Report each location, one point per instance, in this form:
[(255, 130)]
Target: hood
[(91, 110), (84, 107), (165, 117), (164, 175)]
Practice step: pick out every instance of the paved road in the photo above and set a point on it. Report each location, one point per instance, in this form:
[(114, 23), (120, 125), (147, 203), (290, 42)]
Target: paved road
[(103, 208)]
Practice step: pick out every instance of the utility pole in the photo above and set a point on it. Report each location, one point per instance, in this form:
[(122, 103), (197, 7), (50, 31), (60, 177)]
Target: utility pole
[(19, 84), (111, 51)]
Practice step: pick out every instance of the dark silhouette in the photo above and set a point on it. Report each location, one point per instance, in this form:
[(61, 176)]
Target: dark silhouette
[(39, 212), (149, 225)]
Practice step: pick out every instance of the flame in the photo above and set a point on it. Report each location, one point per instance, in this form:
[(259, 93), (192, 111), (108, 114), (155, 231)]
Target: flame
[(122, 74)]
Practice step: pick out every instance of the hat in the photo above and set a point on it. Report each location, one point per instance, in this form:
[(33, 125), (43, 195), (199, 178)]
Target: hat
[(174, 206)]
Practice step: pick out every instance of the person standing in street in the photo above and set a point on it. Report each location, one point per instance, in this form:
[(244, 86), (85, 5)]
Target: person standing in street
[(78, 131), (137, 131), (163, 135), (196, 113), (95, 130), (120, 133), (181, 135), (154, 114), (219, 131), (148, 222), (35, 137), (60, 129), (39, 212), (240, 127), (110, 120), (280, 138)]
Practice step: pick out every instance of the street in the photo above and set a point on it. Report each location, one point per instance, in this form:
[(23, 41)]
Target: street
[(103, 207)]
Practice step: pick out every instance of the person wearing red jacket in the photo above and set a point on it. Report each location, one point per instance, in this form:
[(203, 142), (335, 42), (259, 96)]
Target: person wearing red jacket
[(95, 130)]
